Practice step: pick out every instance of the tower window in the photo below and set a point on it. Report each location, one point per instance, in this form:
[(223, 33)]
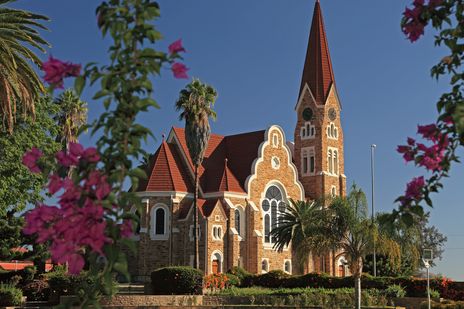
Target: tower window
[(308, 131), (332, 131), (308, 161), (159, 222), (288, 266), (333, 161)]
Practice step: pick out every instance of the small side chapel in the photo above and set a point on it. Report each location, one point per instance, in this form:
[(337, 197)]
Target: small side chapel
[(246, 181)]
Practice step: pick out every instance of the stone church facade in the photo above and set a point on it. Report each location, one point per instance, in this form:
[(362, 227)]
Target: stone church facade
[(246, 181)]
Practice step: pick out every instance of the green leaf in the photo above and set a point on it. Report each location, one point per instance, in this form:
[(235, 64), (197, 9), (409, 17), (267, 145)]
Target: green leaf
[(79, 84)]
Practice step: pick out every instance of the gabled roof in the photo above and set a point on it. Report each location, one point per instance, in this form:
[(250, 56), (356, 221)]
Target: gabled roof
[(205, 207), (166, 171), (317, 71), (240, 151)]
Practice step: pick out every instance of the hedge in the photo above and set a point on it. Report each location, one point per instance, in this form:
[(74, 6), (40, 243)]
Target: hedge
[(177, 280), (413, 287), (10, 295)]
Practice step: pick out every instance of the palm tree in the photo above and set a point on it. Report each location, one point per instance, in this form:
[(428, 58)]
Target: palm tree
[(72, 116), (299, 225), (343, 227), (19, 84), (195, 103)]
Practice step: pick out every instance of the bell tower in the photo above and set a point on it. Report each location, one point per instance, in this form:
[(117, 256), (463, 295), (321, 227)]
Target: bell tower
[(318, 133)]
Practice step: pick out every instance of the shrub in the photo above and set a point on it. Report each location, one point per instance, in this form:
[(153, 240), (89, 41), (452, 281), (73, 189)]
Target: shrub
[(233, 280), (37, 290), (25, 275), (177, 280), (395, 290), (272, 279), (10, 295), (434, 293), (60, 284), (447, 304), (215, 281), (244, 277)]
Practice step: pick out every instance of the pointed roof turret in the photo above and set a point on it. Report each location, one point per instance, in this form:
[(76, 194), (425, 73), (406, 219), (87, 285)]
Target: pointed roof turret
[(317, 72)]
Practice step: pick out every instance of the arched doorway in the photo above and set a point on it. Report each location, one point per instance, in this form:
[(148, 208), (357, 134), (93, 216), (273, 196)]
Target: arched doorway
[(216, 262)]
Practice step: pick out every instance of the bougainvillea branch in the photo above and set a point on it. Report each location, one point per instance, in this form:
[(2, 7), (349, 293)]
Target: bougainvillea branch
[(95, 187), (443, 138)]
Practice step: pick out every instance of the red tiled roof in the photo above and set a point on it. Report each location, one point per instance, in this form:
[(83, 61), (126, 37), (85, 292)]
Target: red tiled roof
[(205, 207), (318, 72), (166, 172), (240, 151)]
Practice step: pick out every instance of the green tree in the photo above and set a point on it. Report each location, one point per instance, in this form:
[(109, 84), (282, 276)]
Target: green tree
[(20, 86), (297, 225), (71, 116), (18, 187), (195, 103), (343, 226)]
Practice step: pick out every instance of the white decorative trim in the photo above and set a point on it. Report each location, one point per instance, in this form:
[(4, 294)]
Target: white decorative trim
[(229, 203), (260, 159), (343, 175), (306, 88), (217, 229), (257, 233), (253, 206), (175, 230), (266, 267), (173, 194), (221, 260), (144, 200), (143, 230), (308, 152), (285, 262), (153, 211), (233, 231), (224, 195)]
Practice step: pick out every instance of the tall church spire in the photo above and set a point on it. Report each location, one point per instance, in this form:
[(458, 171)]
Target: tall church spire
[(318, 72)]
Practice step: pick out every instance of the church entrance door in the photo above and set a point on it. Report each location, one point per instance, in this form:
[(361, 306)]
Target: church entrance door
[(215, 267)]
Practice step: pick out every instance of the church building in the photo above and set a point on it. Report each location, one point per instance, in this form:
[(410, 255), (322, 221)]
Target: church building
[(246, 181)]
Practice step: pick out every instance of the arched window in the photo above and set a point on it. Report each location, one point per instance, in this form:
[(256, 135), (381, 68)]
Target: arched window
[(330, 162), (239, 215), (335, 164), (288, 266), (272, 206), (159, 219), (333, 191), (265, 265), (237, 221)]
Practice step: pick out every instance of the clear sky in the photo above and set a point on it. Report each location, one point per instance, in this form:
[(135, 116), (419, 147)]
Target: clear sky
[(253, 52)]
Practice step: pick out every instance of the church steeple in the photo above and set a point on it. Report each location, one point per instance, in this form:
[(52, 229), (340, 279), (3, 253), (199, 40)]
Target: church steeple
[(317, 71)]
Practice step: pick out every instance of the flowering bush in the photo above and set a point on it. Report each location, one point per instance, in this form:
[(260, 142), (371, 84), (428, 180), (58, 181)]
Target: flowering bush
[(177, 280), (91, 222), (447, 134), (216, 281)]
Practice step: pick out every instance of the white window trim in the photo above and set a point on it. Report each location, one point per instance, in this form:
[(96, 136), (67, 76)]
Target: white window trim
[(242, 232), (329, 133), (263, 271), (308, 135), (221, 260), (220, 232), (275, 140), (333, 191), (270, 245), (310, 151), (164, 236), (288, 261), (336, 168)]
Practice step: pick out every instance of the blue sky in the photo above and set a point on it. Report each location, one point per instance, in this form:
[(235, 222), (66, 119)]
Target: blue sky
[(253, 52)]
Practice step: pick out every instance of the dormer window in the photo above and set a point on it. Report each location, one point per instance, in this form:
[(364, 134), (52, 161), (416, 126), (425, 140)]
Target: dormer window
[(308, 130)]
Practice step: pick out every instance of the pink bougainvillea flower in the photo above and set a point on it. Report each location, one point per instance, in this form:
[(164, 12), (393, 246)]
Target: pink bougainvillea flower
[(126, 229), (55, 184), (407, 151), (176, 47), (30, 159), (66, 159), (91, 155), (414, 188), (179, 70), (429, 131), (76, 149), (56, 70)]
